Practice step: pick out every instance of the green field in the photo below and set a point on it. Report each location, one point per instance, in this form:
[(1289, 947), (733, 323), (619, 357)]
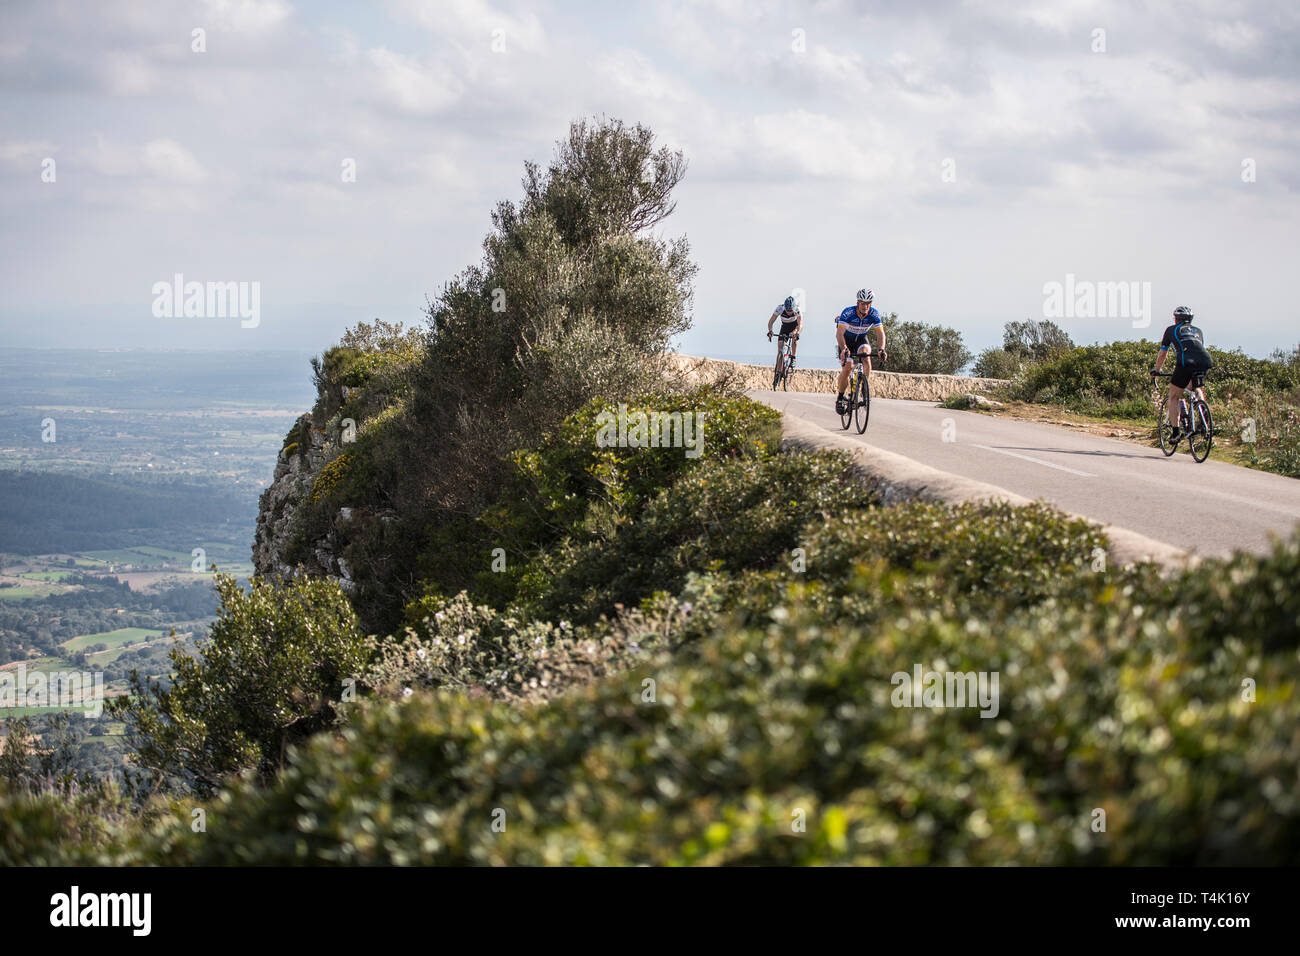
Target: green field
[(100, 658), (38, 664), (119, 555), (22, 593), (47, 575), (116, 638)]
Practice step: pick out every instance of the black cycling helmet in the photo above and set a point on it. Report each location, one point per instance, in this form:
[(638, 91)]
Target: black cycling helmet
[(1183, 314), (789, 303)]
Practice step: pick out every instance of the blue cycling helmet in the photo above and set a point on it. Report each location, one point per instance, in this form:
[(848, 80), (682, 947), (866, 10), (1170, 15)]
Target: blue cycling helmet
[(789, 303)]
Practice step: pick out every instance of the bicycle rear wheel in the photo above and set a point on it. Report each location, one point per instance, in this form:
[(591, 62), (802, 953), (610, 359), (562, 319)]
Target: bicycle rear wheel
[(1202, 436), (1167, 444), (863, 410)]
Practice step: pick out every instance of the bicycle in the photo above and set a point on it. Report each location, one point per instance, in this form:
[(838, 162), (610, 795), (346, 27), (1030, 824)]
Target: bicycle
[(857, 398), (1194, 419), (784, 356)]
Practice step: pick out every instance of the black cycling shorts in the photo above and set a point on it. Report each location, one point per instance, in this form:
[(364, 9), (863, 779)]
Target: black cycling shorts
[(788, 328), (854, 342), (1182, 375)]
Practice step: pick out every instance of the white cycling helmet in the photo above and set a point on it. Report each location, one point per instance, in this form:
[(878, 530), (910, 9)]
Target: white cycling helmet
[(865, 295)]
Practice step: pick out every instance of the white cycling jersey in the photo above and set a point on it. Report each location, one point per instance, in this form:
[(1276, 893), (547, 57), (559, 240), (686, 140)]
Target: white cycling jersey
[(777, 314)]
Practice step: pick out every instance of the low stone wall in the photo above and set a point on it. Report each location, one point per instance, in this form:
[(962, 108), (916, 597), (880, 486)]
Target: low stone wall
[(921, 388)]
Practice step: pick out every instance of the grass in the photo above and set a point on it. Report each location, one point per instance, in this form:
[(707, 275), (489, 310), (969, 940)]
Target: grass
[(117, 638), (22, 593), (100, 658), (47, 575), (37, 664)]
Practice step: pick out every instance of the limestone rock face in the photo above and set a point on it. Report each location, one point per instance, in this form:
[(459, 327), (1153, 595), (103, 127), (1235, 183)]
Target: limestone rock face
[(921, 388), (291, 483), (305, 453)]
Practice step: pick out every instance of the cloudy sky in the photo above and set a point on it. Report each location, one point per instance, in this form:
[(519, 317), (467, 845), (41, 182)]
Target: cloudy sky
[(954, 156)]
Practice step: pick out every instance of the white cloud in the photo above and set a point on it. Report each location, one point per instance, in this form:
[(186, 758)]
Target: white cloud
[(803, 143), (411, 85), (25, 152), (472, 22), (170, 160), (247, 16)]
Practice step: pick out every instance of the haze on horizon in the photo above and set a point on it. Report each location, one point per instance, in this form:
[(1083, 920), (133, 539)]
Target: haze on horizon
[(954, 157)]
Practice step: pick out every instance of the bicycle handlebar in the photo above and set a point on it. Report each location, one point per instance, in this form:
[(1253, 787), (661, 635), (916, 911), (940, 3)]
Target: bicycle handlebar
[(881, 356)]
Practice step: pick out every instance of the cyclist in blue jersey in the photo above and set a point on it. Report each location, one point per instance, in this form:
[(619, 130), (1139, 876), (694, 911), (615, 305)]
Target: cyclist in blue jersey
[(1192, 359), (851, 330)]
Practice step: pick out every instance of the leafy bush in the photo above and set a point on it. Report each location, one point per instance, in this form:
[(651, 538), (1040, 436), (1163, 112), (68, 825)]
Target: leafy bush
[(929, 349), (1112, 379), (47, 828), (269, 675), (1129, 702), (574, 299), (1035, 341), (732, 515), (571, 486), (997, 363), (1268, 425)]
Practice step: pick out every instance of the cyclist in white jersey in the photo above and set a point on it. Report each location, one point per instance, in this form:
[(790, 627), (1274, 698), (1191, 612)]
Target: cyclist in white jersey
[(791, 325)]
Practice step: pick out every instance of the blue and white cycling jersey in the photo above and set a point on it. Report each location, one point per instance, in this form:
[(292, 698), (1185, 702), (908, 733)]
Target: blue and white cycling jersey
[(855, 324)]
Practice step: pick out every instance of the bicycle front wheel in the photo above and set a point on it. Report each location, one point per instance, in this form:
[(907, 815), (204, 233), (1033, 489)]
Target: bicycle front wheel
[(1202, 436), (863, 410), (1165, 430)]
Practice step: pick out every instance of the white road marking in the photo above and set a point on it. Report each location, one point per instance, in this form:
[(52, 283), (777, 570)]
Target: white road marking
[(1037, 461)]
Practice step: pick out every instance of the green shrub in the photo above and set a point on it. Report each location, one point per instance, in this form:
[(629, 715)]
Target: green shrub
[(570, 485), (1035, 341), (1112, 379), (1120, 703), (269, 674), (918, 347), (997, 363), (574, 299), (46, 828), (747, 513)]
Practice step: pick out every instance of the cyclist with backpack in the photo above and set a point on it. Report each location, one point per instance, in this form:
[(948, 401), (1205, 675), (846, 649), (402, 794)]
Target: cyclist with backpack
[(1188, 344)]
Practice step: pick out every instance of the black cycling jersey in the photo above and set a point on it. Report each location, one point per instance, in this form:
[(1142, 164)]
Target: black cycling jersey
[(1188, 343)]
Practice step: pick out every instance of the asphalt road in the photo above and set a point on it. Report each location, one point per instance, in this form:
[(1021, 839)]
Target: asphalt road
[(1211, 508)]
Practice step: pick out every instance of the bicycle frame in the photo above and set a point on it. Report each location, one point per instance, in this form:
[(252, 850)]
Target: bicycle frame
[(784, 354), (1195, 421)]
